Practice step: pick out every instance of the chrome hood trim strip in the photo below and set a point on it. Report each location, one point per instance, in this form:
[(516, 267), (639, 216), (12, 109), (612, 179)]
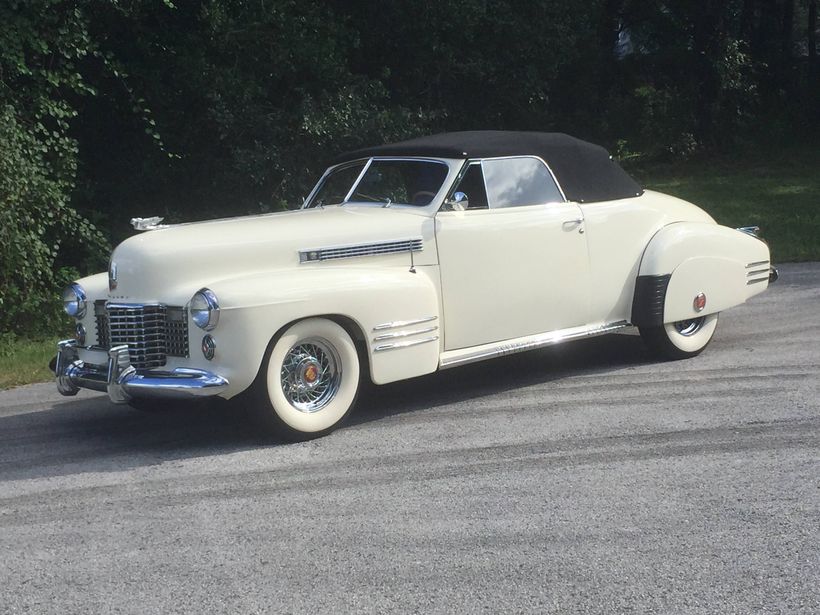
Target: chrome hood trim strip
[(363, 249)]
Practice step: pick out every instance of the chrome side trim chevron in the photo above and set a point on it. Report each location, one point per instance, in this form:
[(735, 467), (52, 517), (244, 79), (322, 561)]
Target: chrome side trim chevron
[(396, 334), (415, 244), (407, 344), (758, 268), (489, 351), (403, 323)]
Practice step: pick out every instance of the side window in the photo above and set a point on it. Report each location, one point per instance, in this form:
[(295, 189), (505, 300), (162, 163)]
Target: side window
[(472, 184), (515, 182)]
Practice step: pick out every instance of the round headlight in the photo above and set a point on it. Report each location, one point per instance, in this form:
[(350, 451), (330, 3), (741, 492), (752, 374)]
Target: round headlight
[(74, 301), (205, 309)]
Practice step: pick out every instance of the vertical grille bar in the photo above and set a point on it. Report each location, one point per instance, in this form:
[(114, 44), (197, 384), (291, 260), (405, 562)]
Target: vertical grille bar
[(101, 322)]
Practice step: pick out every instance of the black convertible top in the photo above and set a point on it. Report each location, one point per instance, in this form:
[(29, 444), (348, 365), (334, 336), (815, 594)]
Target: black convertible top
[(586, 172)]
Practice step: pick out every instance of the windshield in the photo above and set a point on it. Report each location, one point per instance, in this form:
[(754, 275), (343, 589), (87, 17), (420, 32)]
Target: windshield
[(387, 182)]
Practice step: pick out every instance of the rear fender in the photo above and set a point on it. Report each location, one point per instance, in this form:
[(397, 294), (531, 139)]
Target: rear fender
[(686, 259)]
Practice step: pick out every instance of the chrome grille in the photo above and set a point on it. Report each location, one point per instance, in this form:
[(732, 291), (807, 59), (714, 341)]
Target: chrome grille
[(152, 332), (176, 332)]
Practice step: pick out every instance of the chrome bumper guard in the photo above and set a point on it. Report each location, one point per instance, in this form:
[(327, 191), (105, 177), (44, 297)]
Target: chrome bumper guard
[(122, 381), (773, 275)]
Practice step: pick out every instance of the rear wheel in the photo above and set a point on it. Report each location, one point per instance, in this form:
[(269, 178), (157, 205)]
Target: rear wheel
[(681, 339), (310, 380)]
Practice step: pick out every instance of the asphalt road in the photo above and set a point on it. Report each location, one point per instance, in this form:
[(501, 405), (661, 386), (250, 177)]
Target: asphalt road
[(583, 478)]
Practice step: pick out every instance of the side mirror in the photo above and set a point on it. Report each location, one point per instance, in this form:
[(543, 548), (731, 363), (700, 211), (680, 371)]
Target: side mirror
[(458, 202)]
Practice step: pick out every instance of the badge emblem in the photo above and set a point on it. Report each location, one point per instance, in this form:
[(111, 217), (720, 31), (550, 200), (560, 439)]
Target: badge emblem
[(112, 276)]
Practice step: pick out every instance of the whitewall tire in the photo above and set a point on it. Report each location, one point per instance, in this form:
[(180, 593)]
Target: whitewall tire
[(310, 380), (680, 340)]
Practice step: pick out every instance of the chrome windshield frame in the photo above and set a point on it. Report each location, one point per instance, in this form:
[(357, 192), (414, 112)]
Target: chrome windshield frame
[(446, 162)]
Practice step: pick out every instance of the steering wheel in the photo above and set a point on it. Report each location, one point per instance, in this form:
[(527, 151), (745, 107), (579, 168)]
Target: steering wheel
[(422, 197)]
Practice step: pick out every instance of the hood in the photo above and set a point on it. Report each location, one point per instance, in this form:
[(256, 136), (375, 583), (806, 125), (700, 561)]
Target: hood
[(172, 263)]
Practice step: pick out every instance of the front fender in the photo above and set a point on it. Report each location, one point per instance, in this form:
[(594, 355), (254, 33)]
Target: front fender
[(395, 312), (685, 259)]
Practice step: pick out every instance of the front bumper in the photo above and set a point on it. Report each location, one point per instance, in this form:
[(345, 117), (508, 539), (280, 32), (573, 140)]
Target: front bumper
[(122, 381)]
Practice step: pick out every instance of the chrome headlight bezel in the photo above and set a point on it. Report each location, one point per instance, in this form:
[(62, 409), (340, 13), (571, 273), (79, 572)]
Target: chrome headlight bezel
[(75, 301), (204, 309)]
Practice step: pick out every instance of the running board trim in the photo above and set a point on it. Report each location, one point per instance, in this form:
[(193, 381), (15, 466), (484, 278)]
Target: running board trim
[(455, 358)]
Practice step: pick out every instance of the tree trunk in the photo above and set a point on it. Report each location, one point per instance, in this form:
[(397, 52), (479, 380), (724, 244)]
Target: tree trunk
[(812, 37), (787, 45), (608, 31), (767, 32), (707, 34), (747, 15), (787, 33)]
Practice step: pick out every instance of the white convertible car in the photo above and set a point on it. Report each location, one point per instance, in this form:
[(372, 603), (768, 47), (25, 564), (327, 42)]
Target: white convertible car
[(404, 259)]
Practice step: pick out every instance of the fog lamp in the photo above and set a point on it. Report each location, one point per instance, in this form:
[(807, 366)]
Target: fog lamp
[(79, 334), (208, 347)]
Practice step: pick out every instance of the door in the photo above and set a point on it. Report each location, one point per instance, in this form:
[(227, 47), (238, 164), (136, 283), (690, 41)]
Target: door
[(514, 262)]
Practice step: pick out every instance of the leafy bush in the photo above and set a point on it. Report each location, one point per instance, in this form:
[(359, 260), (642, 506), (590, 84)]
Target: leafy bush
[(36, 224), (41, 43)]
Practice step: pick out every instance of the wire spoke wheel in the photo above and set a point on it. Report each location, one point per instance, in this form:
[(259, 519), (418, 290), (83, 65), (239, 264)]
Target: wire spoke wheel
[(311, 375), (688, 328), (310, 381), (680, 339)]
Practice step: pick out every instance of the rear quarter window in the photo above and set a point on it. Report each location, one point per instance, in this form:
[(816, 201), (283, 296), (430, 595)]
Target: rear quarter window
[(517, 182)]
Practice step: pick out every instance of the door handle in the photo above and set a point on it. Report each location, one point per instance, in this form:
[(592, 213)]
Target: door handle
[(577, 221)]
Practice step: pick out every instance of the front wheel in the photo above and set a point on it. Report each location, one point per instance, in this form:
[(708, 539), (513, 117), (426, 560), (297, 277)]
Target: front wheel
[(682, 339), (310, 381)]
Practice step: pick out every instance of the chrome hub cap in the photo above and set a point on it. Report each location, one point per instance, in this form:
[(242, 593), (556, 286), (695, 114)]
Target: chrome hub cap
[(688, 328), (311, 374)]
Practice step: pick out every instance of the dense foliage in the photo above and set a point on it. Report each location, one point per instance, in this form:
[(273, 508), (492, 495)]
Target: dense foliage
[(116, 108), (42, 44)]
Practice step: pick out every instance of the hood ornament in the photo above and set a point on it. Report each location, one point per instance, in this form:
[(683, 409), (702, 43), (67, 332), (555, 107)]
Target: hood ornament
[(148, 224)]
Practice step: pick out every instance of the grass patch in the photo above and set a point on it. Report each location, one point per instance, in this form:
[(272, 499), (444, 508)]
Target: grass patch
[(23, 361), (778, 191)]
